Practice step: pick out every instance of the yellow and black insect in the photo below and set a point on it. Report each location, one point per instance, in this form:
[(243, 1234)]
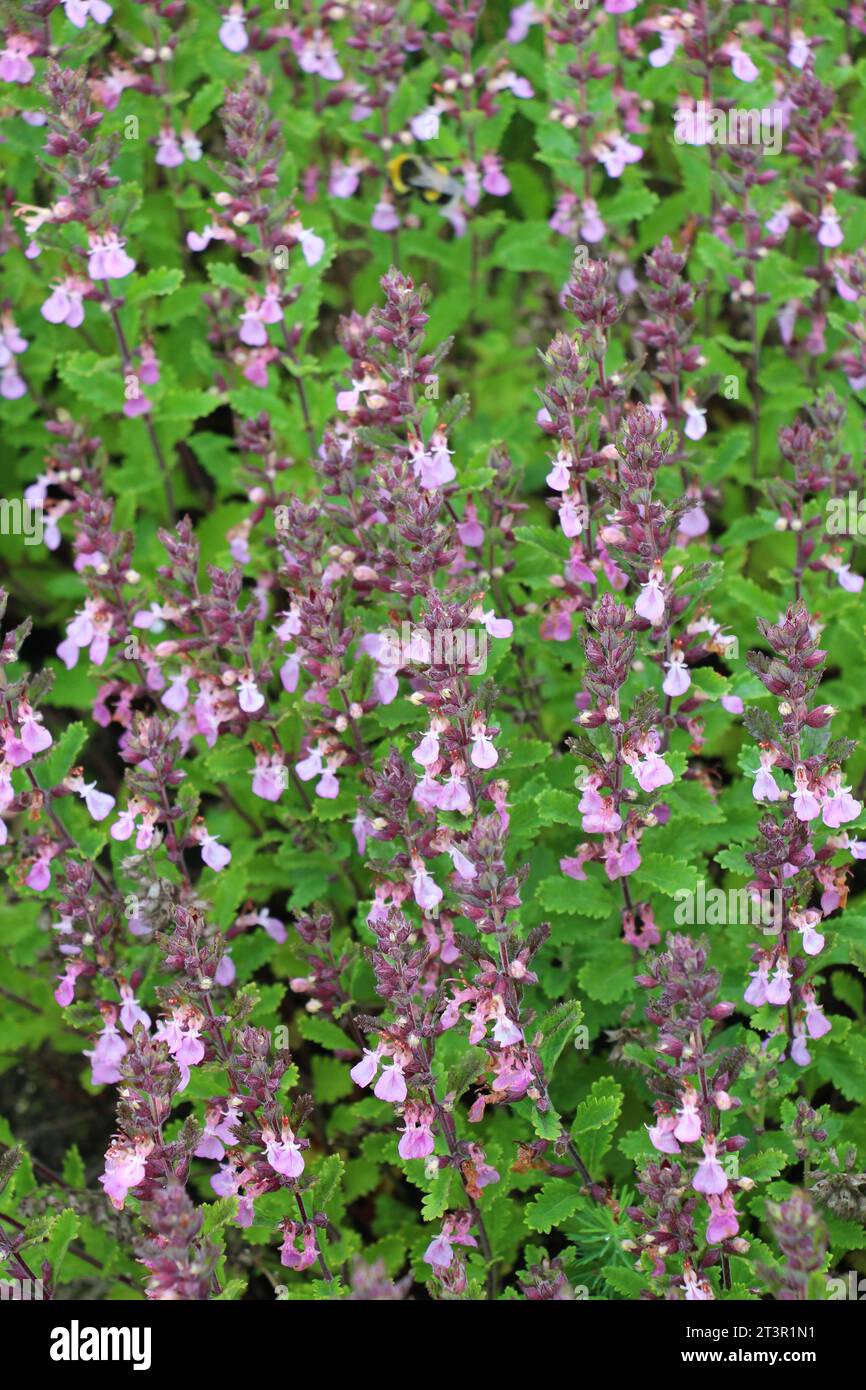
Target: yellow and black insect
[(433, 181)]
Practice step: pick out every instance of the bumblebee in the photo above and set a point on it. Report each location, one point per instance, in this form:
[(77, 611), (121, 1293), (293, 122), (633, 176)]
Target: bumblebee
[(433, 181)]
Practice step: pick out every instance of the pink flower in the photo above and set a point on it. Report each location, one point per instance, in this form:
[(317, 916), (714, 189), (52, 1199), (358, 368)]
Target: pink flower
[(290, 1255), (12, 384), (559, 477), (455, 794), (327, 786), (650, 603), (621, 860), (723, 1223), (177, 695), (316, 54), (829, 232), (15, 64), (592, 228), (462, 866), (806, 805), (710, 1177), (851, 582), (425, 890), (65, 303), (799, 1047), (125, 1164), (131, 1011), (283, 1154), (688, 1126), (603, 820), (455, 1231), (483, 753), (168, 151), (198, 241), (391, 1084), (520, 20), (840, 806), (39, 874), (764, 787), (182, 1035), (79, 11), (756, 992), (615, 152), (494, 180), (252, 331), (417, 1140), (385, 218), (425, 126), (661, 1135), (799, 51), (218, 1131), (250, 698), (779, 223), (364, 1071), (65, 991), (505, 1031), (572, 515), (696, 425), (269, 777), (677, 680), (107, 1053), (233, 30), (99, 804), (433, 466), (107, 259), (816, 1023), (779, 987), (741, 64), (290, 672), (34, 735), (696, 1291), (806, 923), (215, 855), (343, 180), (495, 627), (439, 1252), (427, 751), (311, 766), (311, 244), (669, 42), (653, 772)]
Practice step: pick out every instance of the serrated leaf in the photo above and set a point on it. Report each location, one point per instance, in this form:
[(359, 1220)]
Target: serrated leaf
[(556, 1202)]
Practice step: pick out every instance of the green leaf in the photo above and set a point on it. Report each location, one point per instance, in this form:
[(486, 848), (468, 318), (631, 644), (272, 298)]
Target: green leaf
[(323, 1032), (629, 1282), (589, 898), (154, 283), (63, 755), (558, 1027), (64, 1230), (608, 978), (556, 1202), (600, 1110), (72, 1171), (667, 875)]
